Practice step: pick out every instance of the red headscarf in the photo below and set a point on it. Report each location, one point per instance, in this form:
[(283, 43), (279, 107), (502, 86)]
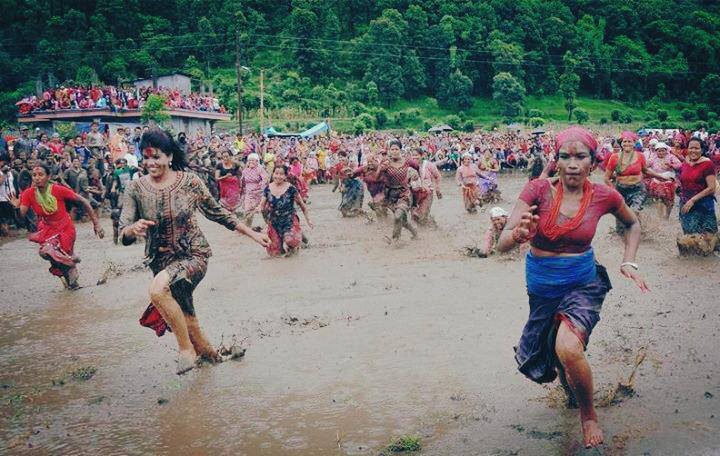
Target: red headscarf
[(576, 134), (628, 135)]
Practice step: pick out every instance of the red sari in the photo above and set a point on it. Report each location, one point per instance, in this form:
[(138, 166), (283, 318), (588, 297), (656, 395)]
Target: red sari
[(56, 232)]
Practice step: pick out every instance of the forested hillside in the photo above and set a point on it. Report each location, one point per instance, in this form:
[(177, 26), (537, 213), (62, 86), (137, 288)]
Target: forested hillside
[(345, 56)]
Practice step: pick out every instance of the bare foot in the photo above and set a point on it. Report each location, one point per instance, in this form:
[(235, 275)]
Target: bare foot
[(186, 361), (592, 434)]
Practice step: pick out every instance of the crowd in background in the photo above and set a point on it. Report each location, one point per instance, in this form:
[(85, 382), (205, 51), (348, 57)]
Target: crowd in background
[(98, 164), (114, 99)]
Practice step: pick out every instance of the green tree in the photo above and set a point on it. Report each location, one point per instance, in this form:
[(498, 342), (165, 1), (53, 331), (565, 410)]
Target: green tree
[(581, 115), (382, 42), (154, 110), (456, 92), (662, 115), (569, 83), (510, 94)]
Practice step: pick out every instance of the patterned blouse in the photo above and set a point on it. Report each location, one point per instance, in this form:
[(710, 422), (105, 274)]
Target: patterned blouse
[(176, 232)]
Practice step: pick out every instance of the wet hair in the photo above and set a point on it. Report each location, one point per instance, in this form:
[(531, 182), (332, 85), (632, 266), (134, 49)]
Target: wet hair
[(160, 139), (44, 166), (394, 142)]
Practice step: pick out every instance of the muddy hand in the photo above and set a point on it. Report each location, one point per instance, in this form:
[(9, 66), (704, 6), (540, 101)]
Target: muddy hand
[(528, 223), (262, 239), (140, 227), (99, 232), (635, 277)]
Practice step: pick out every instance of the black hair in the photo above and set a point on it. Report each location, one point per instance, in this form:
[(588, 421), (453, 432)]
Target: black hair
[(703, 145), (44, 166), (160, 139), (283, 167), (394, 142)]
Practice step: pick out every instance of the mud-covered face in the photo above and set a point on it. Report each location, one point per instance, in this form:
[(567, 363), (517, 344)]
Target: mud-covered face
[(574, 163)]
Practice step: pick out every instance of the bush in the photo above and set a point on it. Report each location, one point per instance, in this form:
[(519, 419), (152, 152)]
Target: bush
[(626, 117), (581, 115), (358, 127), (426, 125), (462, 116), (687, 114), (615, 115), (367, 120), (702, 112), (454, 121), (468, 126), (536, 122), (662, 115), (712, 115), (603, 120), (535, 113), (381, 117)]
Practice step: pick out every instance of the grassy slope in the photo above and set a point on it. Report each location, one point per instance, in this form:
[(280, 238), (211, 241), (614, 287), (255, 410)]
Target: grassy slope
[(485, 113)]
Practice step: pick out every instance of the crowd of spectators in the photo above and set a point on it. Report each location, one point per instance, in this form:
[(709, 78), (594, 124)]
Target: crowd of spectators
[(114, 99), (98, 164)]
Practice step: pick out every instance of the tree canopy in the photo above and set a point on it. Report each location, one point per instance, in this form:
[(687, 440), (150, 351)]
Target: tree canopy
[(348, 53)]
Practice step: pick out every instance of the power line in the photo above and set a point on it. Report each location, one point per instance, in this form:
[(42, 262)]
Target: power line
[(221, 35)]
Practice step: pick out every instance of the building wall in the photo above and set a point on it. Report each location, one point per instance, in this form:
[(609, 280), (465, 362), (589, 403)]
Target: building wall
[(174, 81)]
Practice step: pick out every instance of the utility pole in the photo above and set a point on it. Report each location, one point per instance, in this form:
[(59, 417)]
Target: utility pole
[(262, 100), (239, 79)]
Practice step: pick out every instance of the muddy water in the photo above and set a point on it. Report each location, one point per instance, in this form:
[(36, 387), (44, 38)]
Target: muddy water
[(349, 344)]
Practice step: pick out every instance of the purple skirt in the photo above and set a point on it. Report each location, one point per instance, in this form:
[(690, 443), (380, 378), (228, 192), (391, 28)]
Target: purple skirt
[(578, 308)]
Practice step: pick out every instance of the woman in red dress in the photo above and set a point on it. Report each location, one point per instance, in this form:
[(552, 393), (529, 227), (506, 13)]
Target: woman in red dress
[(56, 232), (566, 286)]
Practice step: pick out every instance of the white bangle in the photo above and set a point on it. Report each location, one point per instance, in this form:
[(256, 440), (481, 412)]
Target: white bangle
[(632, 265)]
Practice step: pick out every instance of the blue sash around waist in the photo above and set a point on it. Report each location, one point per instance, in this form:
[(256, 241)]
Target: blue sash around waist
[(552, 277)]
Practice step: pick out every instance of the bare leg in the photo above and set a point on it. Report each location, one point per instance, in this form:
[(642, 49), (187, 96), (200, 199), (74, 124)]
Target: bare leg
[(569, 350), (172, 314), (200, 343)]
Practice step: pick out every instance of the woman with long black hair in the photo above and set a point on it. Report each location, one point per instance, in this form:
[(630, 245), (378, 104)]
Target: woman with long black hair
[(161, 206)]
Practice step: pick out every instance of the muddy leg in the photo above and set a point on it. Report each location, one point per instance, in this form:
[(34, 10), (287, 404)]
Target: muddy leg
[(571, 401), (570, 353), (172, 314), (408, 224), (71, 276), (200, 343), (398, 222)]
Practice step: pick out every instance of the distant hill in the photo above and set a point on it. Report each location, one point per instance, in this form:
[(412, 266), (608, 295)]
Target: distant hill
[(344, 58)]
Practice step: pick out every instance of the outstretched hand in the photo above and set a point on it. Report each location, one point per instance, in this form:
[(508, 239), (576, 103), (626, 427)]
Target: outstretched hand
[(635, 277), (261, 238), (99, 232)]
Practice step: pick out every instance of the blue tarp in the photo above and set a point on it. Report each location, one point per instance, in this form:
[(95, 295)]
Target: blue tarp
[(309, 133)]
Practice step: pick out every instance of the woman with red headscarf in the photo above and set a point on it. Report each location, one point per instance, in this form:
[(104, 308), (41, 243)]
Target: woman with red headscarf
[(627, 170), (565, 284), (56, 232)]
